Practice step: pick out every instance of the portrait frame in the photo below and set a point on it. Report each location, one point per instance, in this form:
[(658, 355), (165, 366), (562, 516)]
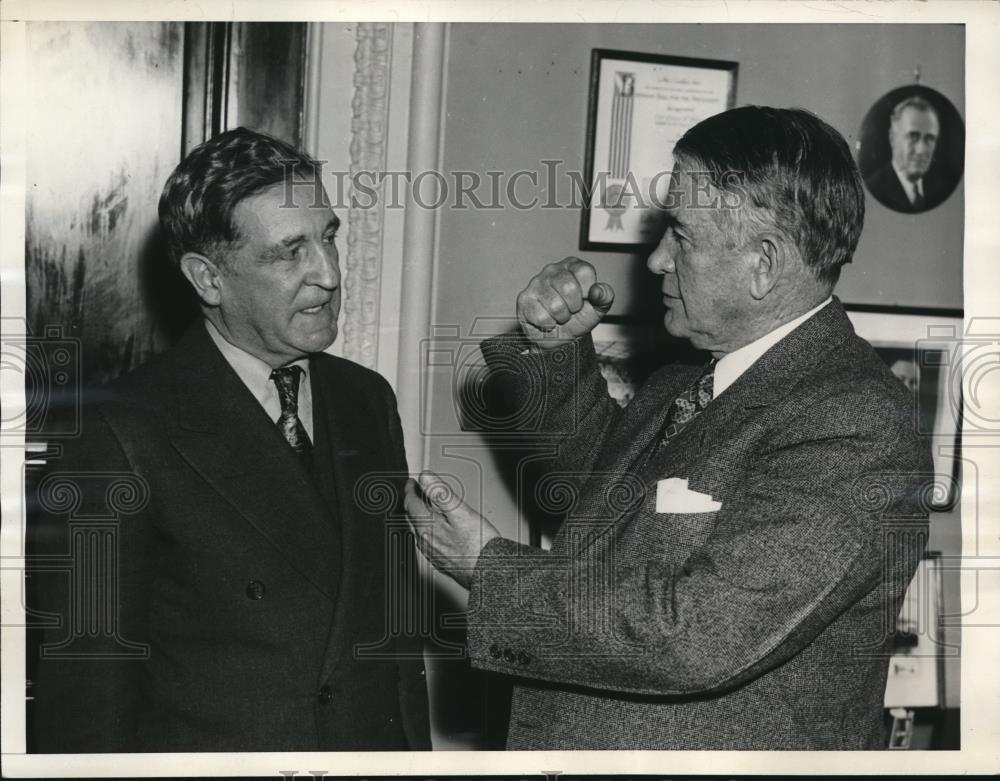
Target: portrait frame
[(932, 344), (874, 152), (647, 107)]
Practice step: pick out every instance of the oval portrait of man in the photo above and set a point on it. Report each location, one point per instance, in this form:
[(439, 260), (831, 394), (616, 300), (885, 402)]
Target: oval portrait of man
[(912, 149)]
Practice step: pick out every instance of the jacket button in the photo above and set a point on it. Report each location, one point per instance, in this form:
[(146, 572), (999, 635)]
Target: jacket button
[(495, 651), (255, 590), (509, 655), (325, 695), (523, 658)]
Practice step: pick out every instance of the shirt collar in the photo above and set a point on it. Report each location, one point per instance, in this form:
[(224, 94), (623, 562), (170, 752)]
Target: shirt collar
[(256, 374), (732, 365)]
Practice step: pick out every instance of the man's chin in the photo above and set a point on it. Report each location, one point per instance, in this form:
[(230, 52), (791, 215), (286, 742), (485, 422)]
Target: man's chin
[(675, 326), (318, 342), (680, 328)]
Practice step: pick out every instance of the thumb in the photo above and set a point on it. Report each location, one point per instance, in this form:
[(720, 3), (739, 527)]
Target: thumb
[(437, 492), (601, 296)]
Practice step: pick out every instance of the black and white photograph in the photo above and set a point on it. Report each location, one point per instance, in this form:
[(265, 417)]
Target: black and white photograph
[(350, 428), (912, 149)]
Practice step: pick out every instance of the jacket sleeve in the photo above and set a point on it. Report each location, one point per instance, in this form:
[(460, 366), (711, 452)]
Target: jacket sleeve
[(86, 589), (803, 542), (556, 394)]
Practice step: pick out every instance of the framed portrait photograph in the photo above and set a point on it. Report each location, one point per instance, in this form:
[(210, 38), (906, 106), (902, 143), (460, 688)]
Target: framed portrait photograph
[(911, 149), (924, 355), (640, 105)]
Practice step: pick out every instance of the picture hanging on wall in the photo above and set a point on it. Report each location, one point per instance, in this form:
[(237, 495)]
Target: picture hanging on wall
[(640, 105), (911, 150), (926, 357)]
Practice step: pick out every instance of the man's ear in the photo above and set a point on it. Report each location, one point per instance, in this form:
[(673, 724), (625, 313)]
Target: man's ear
[(767, 264), (204, 276)]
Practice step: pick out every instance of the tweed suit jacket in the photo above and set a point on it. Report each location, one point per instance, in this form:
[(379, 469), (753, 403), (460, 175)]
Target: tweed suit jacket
[(243, 587), (765, 624)]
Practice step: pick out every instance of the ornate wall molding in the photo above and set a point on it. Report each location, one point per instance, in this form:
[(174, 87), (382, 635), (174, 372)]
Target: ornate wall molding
[(369, 132)]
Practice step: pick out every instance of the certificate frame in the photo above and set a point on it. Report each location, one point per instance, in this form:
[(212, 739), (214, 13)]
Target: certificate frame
[(617, 115)]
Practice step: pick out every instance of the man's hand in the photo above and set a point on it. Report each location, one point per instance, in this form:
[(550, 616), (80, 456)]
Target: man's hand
[(456, 532), (564, 296)]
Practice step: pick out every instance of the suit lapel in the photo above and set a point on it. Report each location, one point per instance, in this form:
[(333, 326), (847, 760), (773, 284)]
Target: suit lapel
[(900, 199), (225, 435), (773, 376), (616, 474), (354, 451)]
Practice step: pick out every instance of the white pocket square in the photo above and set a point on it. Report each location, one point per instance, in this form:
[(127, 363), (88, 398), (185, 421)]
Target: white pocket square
[(674, 496)]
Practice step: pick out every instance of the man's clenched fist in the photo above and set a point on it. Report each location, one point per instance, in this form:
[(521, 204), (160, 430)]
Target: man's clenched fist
[(565, 300)]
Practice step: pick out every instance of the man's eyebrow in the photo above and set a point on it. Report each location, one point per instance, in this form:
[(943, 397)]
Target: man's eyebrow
[(673, 220), (298, 238), (279, 248)]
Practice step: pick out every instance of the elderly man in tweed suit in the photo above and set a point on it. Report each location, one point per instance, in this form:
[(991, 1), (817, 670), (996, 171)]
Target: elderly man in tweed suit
[(743, 532)]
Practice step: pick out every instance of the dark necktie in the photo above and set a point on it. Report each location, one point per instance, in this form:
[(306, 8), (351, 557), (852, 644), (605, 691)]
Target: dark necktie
[(919, 202), (287, 381), (689, 405)]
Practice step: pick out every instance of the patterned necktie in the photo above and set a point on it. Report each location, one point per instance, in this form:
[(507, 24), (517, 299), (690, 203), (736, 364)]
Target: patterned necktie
[(689, 405), (287, 381)]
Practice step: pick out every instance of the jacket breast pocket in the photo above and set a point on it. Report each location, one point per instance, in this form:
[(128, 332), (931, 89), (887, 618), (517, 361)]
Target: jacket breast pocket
[(670, 537)]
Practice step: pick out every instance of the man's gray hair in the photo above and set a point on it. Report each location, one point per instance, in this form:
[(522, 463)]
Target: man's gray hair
[(913, 101)]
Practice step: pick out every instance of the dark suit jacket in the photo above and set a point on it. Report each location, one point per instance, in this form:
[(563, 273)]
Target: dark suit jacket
[(250, 605), (886, 187), (766, 624)]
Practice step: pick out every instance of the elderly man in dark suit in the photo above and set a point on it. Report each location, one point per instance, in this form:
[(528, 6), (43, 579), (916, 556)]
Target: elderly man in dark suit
[(742, 534), (240, 599)]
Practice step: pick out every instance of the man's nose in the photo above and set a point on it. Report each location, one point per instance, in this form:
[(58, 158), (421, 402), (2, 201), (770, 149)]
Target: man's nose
[(660, 260), (325, 271)]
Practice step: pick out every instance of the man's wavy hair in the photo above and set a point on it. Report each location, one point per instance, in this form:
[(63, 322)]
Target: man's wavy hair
[(916, 102), (790, 172), (198, 200)]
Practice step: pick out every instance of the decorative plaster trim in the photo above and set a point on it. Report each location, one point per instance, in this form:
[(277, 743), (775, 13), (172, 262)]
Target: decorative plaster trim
[(369, 131)]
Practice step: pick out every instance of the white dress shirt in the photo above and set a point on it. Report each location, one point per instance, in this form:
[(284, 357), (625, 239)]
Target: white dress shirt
[(732, 365), (256, 375)]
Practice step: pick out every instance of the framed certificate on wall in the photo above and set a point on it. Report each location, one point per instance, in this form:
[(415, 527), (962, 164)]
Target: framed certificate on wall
[(640, 105)]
